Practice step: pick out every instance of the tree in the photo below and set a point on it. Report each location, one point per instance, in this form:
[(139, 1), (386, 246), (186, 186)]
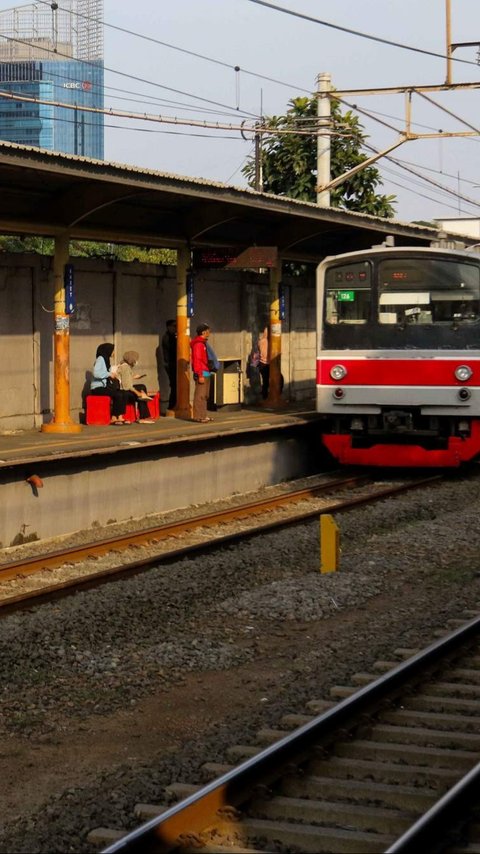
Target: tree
[(289, 161), (90, 249)]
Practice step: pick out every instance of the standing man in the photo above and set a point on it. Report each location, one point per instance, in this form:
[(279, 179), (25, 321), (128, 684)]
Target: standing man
[(169, 352), (264, 362), (201, 373)]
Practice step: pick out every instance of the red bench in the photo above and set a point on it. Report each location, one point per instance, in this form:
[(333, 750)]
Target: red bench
[(98, 408)]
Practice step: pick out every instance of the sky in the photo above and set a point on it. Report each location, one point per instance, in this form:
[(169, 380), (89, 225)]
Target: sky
[(279, 56)]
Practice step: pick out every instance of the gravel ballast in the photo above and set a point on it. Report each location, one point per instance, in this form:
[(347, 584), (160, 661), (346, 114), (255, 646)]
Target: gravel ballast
[(243, 635)]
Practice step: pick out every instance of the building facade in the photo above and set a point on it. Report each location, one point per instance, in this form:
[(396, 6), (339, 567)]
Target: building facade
[(51, 68)]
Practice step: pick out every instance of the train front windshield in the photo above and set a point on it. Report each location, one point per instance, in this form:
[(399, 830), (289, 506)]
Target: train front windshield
[(402, 301), (435, 291)]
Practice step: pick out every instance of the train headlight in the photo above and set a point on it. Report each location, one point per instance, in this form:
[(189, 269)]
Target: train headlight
[(463, 373), (338, 372)]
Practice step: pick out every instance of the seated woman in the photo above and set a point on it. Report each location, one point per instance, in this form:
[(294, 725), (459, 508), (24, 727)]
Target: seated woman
[(134, 392), (104, 382)]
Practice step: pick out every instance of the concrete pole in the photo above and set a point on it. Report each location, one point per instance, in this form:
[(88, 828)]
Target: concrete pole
[(62, 422), (183, 409), (274, 398), (448, 24), (324, 113)]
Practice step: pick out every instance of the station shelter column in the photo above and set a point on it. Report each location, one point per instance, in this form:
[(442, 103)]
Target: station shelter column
[(62, 421), (182, 408), (274, 398)]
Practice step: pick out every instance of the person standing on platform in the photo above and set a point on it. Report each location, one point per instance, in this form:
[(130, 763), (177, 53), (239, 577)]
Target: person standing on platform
[(201, 373), (135, 392), (169, 352), (105, 382), (264, 362)]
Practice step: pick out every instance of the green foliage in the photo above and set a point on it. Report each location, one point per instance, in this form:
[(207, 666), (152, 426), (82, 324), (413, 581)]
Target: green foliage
[(112, 251), (39, 245), (90, 249), (289, 161)]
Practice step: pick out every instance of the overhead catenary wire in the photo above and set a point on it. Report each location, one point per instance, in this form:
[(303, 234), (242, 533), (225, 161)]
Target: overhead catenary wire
[(358, 33), (231, 66), (108, 111), (131, 76), (218, 125)]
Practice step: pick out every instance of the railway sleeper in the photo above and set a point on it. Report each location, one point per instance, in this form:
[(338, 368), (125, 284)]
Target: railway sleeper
[(461, 690), (386, 795), (439, 720), (427, 702), (426, 737), (406, 753), (212, 770), (384, 772), (331, 813), (319, 706), (468, 675), (260, 834)]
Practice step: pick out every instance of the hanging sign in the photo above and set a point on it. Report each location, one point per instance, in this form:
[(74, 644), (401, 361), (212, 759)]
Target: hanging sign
[(190, 295), (69, 284), (281, 300)]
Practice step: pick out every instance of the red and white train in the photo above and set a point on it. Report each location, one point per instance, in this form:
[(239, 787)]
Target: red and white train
[(398, 356)]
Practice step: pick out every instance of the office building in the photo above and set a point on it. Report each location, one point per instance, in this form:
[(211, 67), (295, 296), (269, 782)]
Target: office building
[(50, 58)]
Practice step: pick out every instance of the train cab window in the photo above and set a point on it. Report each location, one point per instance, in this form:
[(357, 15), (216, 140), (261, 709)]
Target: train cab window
[(348, 293), (417, 291)]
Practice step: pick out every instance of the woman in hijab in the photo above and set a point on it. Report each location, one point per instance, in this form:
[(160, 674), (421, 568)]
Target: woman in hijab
[(105, 382), (135, 393)]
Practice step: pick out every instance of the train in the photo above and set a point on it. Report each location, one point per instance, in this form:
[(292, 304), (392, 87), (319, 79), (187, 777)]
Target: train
[(398, 356)]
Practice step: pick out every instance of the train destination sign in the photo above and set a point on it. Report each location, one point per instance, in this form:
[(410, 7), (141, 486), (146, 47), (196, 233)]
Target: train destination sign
[(255, 257), (346, 296)]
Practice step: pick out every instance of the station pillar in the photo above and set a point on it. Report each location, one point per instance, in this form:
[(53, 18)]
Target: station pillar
[(274, 398), (182, 408), (62, 421)]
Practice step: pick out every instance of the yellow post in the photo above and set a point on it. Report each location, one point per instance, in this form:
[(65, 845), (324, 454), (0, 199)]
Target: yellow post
[(62, 422), (329, 544), (275, 340), (182, 409)]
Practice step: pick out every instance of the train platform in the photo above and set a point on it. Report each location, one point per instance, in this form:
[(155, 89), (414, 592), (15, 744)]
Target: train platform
[(20, 447), (56, 484)]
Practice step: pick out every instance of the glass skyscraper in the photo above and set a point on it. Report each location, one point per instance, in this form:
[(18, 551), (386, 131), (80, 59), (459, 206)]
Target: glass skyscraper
[(54, 69)]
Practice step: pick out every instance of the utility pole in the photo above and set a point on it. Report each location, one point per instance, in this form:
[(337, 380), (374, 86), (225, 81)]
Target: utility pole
[(449, 41), (452, 46), (258, 158), (324, 113)]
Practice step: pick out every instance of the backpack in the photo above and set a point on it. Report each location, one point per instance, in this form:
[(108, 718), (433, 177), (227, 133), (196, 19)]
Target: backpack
[(213, 363)]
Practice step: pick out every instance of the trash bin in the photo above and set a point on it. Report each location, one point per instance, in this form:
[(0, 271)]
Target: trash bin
[(226, 385)]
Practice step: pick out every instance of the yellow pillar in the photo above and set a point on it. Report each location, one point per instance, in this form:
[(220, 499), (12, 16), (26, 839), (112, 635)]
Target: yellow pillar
[(275, 340), (62, 422), (182, 409)]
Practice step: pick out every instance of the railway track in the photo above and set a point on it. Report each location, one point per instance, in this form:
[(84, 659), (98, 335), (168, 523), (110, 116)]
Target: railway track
[(70, 569), (393, 767)]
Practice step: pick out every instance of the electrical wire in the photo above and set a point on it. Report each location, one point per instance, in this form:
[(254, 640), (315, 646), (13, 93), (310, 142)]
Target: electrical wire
[(131, 76), (358, 33), (177, 48)]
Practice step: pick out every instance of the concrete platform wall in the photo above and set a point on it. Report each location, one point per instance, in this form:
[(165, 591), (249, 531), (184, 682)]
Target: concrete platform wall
[(129, 304), (78, 495)]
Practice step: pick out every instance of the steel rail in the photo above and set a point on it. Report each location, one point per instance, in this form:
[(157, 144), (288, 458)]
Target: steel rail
[(172, 529), (14, 603), (199, 812), (454, 803)]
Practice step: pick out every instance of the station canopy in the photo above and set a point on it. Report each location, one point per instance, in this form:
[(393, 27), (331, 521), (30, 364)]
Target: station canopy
[(45, 193)]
